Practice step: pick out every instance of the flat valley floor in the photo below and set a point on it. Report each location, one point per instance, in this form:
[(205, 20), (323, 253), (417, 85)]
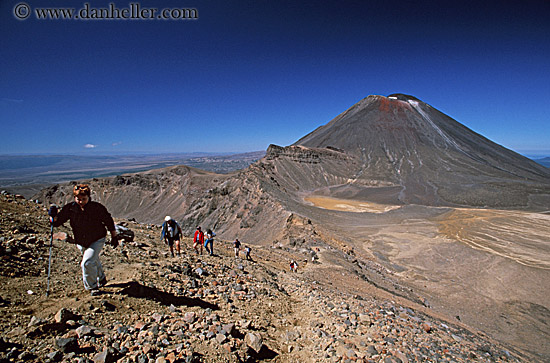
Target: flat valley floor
[(489, 269)]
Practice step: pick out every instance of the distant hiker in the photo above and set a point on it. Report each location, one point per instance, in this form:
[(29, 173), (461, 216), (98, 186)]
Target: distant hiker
[(209, 241), (247, 252), (198, 240), (171, 234), (89, 221), (237, 246), (293, 266)]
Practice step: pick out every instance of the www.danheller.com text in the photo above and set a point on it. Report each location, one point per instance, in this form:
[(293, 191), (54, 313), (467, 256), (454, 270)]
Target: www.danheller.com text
[(134, 11)]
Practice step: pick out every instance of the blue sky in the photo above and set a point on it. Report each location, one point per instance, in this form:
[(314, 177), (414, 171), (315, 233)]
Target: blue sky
[(249, 73)]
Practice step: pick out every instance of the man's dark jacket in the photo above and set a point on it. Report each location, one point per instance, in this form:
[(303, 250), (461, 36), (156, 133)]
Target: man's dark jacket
[(89, 224)]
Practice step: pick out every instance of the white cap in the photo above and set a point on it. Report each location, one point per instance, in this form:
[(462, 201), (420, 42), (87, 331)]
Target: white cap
[(167, 218)]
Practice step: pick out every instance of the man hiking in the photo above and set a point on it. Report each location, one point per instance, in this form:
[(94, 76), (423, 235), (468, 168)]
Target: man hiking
[(209, 241), (237, 247), (89, 221), (198, 240), (171, 234)]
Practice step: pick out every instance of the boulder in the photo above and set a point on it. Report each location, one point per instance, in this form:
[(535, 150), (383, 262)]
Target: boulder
[(108, 355), (254, 341), (64, 315), (67, 345)]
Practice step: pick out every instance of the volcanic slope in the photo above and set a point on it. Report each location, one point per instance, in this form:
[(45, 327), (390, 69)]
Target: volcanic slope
[(429, 158), (231, 204)]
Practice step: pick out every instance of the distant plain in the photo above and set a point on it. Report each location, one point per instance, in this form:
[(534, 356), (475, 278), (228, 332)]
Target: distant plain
[(27, 174)]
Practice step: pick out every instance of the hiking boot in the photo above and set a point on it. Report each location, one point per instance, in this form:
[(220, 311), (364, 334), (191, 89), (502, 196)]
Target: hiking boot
[(95, 292), (103, 282)]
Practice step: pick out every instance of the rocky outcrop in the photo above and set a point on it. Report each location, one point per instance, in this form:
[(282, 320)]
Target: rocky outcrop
[(303, 154)]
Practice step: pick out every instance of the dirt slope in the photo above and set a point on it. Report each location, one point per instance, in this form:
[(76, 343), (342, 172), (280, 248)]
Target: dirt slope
[(209, 308)]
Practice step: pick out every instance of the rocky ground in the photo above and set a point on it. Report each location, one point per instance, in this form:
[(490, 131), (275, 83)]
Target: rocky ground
[(199, 308)]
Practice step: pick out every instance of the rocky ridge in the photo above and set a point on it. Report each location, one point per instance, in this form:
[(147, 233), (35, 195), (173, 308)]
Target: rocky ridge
[(158, 308)]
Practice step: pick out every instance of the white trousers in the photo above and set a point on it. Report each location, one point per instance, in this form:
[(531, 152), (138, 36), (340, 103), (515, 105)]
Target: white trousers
[(92, 270)]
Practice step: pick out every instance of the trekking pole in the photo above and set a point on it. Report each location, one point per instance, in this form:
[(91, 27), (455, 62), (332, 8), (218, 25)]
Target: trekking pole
[(50, 260)]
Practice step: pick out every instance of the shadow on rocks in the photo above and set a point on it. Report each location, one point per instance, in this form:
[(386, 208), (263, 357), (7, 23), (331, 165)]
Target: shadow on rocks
[(135, 289), (264, 354)]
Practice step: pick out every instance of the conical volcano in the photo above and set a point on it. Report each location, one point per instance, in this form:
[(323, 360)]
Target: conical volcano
[(426, 156)]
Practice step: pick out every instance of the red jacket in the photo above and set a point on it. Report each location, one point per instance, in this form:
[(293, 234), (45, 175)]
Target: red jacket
[(199, 237)]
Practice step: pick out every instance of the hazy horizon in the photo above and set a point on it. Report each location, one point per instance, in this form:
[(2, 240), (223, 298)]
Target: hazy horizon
[(531, 154)]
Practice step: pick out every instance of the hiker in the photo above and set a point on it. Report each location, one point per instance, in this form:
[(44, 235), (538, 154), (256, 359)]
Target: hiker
[(171, 234), (247, 252), (293, 266), (89, 221), (209, 241), (198, 240), (237, 246)]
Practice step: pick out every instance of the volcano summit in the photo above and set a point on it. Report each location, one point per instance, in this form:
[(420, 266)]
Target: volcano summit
[(428, 158)]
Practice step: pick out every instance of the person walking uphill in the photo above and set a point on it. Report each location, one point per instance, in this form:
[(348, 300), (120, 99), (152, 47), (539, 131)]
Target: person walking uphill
[(89, 221), (171, 234), (209, 241), (198, 240), (237, 246)]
